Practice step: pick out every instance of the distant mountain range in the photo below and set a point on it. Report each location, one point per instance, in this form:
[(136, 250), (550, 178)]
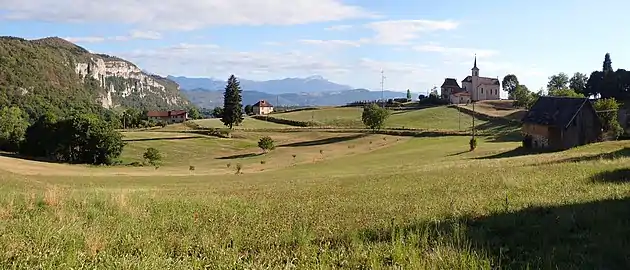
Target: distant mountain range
[(310, 91)]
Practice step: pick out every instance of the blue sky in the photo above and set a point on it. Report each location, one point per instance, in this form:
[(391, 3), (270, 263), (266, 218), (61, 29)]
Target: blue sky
[(416, 43)]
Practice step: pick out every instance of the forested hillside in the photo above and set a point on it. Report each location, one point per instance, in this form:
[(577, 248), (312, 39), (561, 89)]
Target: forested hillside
[(57, 76)]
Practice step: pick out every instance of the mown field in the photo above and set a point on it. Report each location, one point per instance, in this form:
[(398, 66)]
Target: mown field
[(430, 118), (321, 201)]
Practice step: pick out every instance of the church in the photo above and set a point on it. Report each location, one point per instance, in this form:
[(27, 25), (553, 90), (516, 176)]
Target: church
[(474, 88)]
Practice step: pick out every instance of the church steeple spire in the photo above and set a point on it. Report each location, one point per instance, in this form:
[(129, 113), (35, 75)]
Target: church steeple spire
[(475, 69)]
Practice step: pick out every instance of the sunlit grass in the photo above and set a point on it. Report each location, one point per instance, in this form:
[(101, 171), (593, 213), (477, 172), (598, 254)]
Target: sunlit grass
[(419, 203)]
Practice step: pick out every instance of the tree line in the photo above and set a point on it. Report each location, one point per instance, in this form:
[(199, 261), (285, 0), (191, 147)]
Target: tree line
[(609, 86)]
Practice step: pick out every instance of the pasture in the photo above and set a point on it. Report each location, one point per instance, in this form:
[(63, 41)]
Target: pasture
[(321, 201)]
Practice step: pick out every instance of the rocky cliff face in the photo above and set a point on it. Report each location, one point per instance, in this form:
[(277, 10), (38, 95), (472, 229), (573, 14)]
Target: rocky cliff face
[(54, 74), (124, 83)]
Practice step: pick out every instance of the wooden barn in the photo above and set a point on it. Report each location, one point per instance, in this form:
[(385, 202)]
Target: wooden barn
[(560, 123)]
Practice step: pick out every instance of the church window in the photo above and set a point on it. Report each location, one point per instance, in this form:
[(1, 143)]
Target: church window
[(482, 90)]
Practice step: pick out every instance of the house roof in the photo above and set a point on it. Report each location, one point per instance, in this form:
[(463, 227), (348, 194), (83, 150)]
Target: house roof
[(263, 103), (483, 80), (450, 82), (165, 113), (556, 111)]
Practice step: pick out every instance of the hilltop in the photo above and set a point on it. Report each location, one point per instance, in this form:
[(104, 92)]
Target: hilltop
[(55, 74)]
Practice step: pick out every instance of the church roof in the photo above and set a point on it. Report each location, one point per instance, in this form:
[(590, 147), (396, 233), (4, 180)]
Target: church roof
[(450, 82), (483, 80)]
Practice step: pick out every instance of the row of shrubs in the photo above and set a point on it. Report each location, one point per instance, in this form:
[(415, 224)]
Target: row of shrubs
[(296, 110), (286, 121)]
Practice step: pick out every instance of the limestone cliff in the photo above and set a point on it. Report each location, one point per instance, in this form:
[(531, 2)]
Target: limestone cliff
[(125, 84), (54, 74)]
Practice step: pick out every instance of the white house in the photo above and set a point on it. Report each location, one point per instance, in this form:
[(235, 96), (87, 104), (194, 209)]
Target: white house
[(481, 88), (262, 107)]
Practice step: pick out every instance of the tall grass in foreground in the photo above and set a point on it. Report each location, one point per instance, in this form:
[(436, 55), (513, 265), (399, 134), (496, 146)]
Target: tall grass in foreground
[(61, 229)]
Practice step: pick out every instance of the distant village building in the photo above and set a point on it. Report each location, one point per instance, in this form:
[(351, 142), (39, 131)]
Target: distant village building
[(262, 107), (476, 88), (176, 116), (560, 123)]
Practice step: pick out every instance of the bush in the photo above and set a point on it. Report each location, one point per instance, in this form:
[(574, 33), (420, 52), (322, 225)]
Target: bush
[(152, 156), (239, 168), (266, 144), (374, 116), (608, 108), (473, 143)]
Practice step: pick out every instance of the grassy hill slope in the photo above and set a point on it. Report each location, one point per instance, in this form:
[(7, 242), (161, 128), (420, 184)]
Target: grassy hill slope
[(418, 203)]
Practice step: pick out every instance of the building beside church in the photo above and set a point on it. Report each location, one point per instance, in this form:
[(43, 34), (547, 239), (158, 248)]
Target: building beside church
[(474, 88)]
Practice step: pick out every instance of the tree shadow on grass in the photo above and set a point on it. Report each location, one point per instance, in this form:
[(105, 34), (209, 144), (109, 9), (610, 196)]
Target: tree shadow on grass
[(19, 156), (241, 156), (516, 152), (161, 139), (324, 141), (618, 176), (592, 235), (604, 156), (501, 131)]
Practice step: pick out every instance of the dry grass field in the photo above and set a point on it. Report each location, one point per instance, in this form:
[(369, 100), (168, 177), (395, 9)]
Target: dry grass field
[(321, 201)]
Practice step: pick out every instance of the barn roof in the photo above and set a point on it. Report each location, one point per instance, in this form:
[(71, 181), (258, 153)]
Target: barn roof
[(556, 111)]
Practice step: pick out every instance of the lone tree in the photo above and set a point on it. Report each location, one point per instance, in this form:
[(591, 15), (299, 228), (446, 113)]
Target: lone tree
[(232, 103), (510, 82), (152, 156), (374, 116), (266, 144)]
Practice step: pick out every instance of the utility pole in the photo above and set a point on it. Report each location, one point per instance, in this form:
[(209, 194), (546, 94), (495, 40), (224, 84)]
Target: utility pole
[(459, 114), (383, 87)]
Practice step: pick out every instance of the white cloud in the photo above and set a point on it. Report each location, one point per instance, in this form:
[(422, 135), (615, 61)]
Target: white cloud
[(401, 32), (455, 51), (208, 60), (184, 15), (132, 35), (334, 43), (342, 27)]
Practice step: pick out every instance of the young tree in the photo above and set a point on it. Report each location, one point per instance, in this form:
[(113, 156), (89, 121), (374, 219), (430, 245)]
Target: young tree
[(266, 144), (523, 97), (510, 82), (194, 113), (374, 116), (607, 110), (13, 126), (217, 112), (232, 103), (578, 82), (152, 156), (558, 81), (408, 94)]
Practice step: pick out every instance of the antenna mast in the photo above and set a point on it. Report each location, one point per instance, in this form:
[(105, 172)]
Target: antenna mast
[(383, 87)]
